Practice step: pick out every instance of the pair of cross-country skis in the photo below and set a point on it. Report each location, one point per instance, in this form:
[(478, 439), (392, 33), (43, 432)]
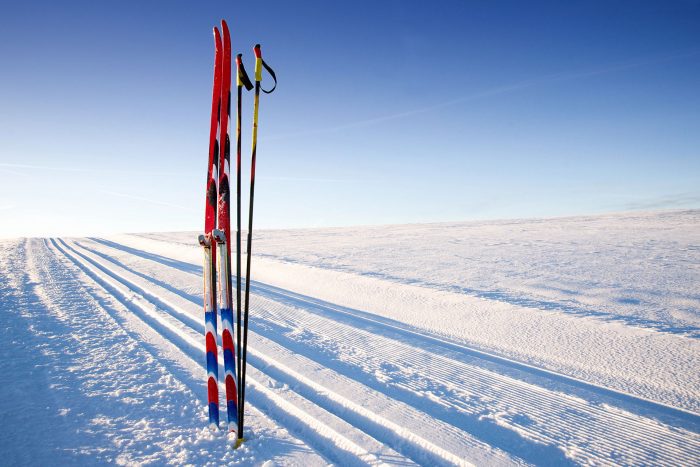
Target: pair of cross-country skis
[(216, 239)]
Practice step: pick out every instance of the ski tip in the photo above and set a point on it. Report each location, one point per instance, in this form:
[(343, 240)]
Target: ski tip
[(217, 37), (239, 59), (224, 26), (257, 51)]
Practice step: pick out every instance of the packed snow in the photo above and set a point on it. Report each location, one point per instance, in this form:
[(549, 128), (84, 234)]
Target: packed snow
[(553, 341)]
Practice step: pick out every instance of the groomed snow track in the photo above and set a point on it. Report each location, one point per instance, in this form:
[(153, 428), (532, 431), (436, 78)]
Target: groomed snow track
[(353, 390)]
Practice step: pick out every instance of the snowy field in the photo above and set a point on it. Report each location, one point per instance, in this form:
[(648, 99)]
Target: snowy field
[(550, 342)]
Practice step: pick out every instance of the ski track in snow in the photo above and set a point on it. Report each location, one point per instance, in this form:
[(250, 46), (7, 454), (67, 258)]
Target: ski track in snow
[(103, 358), (115, 391)]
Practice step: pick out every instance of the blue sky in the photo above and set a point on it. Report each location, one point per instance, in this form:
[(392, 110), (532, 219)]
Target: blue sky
[(386, 112)]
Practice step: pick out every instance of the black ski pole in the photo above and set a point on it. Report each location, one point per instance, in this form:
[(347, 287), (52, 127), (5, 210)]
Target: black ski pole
[(241, 80), (259, 64)]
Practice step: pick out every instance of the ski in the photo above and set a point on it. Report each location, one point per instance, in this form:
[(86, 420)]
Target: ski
[(259, 64), (205, 240), (223, 236)]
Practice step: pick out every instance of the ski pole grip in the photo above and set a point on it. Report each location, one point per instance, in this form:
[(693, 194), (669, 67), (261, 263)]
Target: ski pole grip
[(241, 75), (258, 62)]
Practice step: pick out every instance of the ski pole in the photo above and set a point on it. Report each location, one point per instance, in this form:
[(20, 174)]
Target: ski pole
[(259, 64), (242, 79)]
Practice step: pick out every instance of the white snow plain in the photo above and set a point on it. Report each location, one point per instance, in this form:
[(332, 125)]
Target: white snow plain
[(546, 342)]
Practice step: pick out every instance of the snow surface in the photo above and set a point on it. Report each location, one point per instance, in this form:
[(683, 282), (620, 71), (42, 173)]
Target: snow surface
[(554, 341)]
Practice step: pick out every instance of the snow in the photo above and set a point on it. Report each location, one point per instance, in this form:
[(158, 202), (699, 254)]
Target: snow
[(551, 341)]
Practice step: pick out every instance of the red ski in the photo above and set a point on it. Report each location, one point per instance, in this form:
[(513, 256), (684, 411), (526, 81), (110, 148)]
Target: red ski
[(206, 241), (223, 236)]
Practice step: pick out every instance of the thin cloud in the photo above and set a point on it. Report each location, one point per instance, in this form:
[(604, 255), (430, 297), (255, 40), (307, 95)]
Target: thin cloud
[(43, 167), (313, 180), (505, 89), (679, 200), (14, 173), (147, 200), (83, 169)]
